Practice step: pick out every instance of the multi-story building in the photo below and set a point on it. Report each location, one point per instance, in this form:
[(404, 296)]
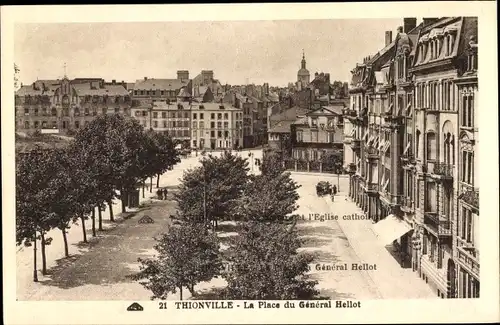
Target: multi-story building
[(445, 166), (67, 105), (161, 89), (216, 126), (173, 118), (318, 138), (412, 157)]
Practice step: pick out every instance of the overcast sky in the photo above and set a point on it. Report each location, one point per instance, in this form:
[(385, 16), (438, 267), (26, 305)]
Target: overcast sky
[(260, 51)]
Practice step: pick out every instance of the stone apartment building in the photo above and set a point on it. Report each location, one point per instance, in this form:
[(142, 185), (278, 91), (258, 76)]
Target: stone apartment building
[(318, 138), (216, 126), (410, 139), (152, 89), (170, 117), (65, 105)]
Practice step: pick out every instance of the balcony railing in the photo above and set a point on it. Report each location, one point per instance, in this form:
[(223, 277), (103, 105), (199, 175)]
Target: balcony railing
[(470, 196), (371, 153), (372, 187), (350, 113), (439, 225), (408, 159), (407, 204), (469, 261), (440, 170), (355, 144)]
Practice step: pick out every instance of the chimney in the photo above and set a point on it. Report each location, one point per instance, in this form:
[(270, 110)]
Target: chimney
[(388, 37), (34, 86), (113, 81), (409, 24), (145, 78), (400, 29), (427, 20)]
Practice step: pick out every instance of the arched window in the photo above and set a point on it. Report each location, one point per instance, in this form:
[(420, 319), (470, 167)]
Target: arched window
[(450, 44), (26, 124), (431, 146)]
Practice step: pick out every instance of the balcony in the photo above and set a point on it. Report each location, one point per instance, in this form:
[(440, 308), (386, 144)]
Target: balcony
[(351, 168), (440, 226), (440, 170), (407, 204), (470, 196), (371, 189), (468, 261), (355, 144), (350, 113), (371, 153), (408, 159)]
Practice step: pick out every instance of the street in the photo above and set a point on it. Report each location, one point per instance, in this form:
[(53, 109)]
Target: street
[(99, 270)]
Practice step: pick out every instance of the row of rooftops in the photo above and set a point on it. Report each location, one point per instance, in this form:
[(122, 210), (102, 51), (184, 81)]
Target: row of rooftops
[(410, 38)]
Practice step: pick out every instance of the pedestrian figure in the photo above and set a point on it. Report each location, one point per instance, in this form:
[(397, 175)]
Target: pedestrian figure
[(158, 194), (334, 190), (165, 194)]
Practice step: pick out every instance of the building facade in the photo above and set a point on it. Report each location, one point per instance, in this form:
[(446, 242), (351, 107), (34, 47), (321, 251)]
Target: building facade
[(317, 138), (154, 89), (216, 126), (412, 158), (67, 105)]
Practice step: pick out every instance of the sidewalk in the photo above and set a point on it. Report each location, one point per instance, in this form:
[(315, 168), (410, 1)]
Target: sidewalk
[(392, 281)]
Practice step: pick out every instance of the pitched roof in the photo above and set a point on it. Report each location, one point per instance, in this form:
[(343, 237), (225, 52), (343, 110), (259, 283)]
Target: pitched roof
[(162, 84), (84, 89), (335, 109), (281, 127), (322, 111), (184, 93)]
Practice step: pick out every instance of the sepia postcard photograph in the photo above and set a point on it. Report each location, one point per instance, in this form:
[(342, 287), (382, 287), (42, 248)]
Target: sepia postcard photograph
[(284, 163)]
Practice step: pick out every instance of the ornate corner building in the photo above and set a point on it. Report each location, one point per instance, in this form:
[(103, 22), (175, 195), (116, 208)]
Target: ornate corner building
[(410, 136)]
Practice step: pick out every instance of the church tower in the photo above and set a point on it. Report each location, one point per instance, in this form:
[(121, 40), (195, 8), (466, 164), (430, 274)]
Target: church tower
[(303, 76)]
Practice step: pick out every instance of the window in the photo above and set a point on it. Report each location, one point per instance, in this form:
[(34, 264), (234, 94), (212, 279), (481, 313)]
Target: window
[(212, 134), (314, 122), (468, 167), (226, 125), (54, 124), (219, 125), (201, 124), (64, 124), (155, 114), (163, 114), (314, 136), (201, 116), (449, 145), (186, 114), (147, 93), (135, 92), (195, 124), (164, 124), (417, 143), (431, 198), (219, 116), (26, 124), (155, 124), (117, 109), (300, 136), (77, 124), (162, 92), (219, 134), (54, 111), (194, 116), (225, 116), (226, 134), (431, 146), (212, 116), (467, 109), (331, 138), (466, 232), (212, 125)]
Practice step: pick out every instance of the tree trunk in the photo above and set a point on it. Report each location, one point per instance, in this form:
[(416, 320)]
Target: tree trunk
[(143, 186), (180, 292), (111, 216), (44, 256), (65, 239), (123, 197), (93, 223), (84, 230), (191, 290), (35, 273), (151, 184), (99, 211), (158, 181)]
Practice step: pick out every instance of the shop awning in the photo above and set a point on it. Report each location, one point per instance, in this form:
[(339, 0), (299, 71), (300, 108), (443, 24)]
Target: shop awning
[(390, 229)]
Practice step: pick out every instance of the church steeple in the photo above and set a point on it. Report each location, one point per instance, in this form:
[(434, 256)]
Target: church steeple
[(303, 66)]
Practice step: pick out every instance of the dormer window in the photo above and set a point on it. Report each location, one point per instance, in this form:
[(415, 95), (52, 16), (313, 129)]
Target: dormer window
[(179, 106), (314, 122)]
